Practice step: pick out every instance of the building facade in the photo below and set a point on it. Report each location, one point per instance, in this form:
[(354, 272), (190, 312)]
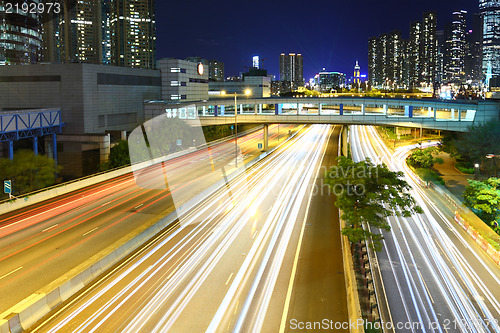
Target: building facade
[(327, 82), (94, 100), (20, 35), (183, 80), (215, 71)]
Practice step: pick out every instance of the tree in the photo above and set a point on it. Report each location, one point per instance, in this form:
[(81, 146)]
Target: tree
[(483, 198), (29, 172), (118, 157), (367, 194), (475, 144), (423, 158)]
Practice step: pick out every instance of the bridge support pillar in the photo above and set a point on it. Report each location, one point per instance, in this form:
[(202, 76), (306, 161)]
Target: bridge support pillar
[(54, 148), (452, 114), (222, 109), (11, 150), (319, 109), (363, 109), (341, 109), (385, 109), (459, 115), (204, 112), (260, 108), (278, 109), (435, 113), (266, 137), (429, 112), (216, 110), (35, 145)]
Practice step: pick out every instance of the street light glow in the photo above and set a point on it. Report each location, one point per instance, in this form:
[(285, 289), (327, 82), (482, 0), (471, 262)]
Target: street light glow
[(248, 92)]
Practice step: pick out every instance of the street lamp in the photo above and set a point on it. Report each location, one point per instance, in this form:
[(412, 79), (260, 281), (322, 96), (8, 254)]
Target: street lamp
[(476, 171), (248, 92)]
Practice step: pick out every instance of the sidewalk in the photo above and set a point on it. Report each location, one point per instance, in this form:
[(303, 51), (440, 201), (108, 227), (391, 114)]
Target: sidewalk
[(455, 181)]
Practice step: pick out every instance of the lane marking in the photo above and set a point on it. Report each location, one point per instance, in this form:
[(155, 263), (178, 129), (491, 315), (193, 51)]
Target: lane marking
[(88, 232), (229, 278), (17, 269), (55, 225), (173, 272), (299, 244), (138, 206), (104, 204), (425, 285)]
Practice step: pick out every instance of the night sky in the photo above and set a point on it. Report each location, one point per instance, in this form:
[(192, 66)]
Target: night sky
[(331, 34)]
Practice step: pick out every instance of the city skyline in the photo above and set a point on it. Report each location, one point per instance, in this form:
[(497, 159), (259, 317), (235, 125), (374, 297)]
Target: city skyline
[(295, 28)]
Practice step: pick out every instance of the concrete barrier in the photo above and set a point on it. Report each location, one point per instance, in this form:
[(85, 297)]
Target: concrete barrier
[(26, 313), (353, 306), (351, 286)]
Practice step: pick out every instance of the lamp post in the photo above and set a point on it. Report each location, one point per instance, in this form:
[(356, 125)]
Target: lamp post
[(476, 171), (247, 93)]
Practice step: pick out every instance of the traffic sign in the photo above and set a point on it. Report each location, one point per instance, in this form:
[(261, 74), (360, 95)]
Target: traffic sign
[(7, 186), (260, 145)]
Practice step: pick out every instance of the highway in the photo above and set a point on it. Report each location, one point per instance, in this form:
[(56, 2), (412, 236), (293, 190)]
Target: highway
[(44, 242), (435, 278), (226, 266)]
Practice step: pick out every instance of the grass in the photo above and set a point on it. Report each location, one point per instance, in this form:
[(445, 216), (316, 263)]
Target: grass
[(428, 175), (465, 168)]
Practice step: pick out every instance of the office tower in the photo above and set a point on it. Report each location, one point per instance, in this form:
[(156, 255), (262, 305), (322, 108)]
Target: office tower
[(215, 71), (133, 33), (428, 50), (381, 65), (291, 71), (357, 74), (473, 59), (490, 11), (20, 36), (456, 48), (414, 60)]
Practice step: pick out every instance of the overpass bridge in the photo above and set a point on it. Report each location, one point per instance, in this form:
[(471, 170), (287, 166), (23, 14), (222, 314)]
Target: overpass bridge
[(415, 113)]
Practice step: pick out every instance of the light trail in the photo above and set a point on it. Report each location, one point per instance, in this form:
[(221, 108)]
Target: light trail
[(226, 247), (458, 290)]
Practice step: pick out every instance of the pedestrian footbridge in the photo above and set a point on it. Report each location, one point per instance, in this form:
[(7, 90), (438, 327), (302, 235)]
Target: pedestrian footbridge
[(416, 113)]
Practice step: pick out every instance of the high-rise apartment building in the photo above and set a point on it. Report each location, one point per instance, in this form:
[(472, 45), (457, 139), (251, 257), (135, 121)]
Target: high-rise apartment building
[(291, 71), (394, 59), (116, 32), (428, 50), (414, 60), (394, 62), (373, 79), (133, 33), (490, 11), (20, 35)]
